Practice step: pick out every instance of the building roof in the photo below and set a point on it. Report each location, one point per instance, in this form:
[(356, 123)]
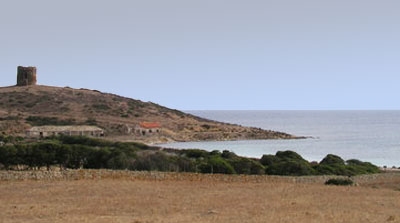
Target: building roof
[(149, 125), (66, 128)]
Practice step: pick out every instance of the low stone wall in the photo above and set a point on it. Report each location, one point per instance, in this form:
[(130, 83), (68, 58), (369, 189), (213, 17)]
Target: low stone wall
[(171, 176)]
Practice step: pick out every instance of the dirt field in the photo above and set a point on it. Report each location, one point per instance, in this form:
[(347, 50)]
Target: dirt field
[(189, 198)]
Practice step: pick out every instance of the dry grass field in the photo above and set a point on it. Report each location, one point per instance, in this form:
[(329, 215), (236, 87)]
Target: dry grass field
[(196, 198)]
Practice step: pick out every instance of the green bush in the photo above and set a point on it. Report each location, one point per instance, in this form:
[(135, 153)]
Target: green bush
[(85, 152), (8, 156), (150, 161), (289, 156), (215, 153), (339, 181), (287, 163), (268, 160), (118, 160), (334, 169), (184, 164), (362, 167), (228, 154), (78, 156), (334, 165), (83, 140), (194, 153), (6, 139), (290, 168), (243, 165), (331, 159), (98, 159), (216, 164)]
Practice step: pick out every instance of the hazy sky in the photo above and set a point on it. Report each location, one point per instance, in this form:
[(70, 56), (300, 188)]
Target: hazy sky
[(211, 54)]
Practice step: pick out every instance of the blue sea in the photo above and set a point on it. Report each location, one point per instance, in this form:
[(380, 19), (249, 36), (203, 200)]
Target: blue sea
[(372, 136)]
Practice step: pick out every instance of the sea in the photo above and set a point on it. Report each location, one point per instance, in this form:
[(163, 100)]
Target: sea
[(370, 136)]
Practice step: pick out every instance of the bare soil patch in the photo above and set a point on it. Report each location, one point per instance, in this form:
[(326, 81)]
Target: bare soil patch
[(164, 197)]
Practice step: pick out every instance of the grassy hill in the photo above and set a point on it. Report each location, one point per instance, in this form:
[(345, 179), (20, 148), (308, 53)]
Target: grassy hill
[(23, 107)]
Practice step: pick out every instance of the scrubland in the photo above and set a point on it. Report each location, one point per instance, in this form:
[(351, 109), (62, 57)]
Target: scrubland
[(113, 196)]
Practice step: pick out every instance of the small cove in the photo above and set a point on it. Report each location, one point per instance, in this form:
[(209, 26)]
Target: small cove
[(372, 136)]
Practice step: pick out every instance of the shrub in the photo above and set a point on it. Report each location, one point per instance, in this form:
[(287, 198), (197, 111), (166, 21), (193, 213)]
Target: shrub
[(289, 156), (334, 165), (8, 156), (6, 139), (216, 164), (287, 163), (228, 155), (243, 165), (334, 169), (195, 153), (290, 168), (185, 164), (339, 181), (101, 106), (331, 159), (77, 157), (150, 161), (98, 159), (268, 160), (215, 153), (362, 167), (83, 140), (119, 160)]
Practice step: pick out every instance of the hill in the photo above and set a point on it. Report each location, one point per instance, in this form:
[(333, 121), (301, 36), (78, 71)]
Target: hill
[(22, 107)]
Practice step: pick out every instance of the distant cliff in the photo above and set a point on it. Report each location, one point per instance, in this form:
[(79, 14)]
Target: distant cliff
[(22, 107)]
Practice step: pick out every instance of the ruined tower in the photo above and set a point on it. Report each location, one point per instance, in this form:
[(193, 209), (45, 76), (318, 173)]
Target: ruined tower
[(26, 76)]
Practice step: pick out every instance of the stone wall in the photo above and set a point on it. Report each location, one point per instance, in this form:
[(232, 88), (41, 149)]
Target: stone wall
[(26, 76), (362, 180)]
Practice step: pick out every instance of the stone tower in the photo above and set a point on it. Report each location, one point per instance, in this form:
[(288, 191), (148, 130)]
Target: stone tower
[(26, 76)]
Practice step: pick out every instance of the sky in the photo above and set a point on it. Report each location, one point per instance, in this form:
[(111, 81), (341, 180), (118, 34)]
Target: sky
[(211, 54)]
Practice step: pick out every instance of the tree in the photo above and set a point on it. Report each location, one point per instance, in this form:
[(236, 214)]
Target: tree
[(362, 167), (243, 165), (98, 158), (216, 164), (48, 154), (268, 160), (331, 159), (288, 163), (8, 156)]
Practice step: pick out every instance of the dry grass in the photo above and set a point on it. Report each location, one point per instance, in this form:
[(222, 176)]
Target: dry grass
[(186, 200)]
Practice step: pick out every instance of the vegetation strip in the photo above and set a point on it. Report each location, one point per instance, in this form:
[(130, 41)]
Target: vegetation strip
[(70, 152)]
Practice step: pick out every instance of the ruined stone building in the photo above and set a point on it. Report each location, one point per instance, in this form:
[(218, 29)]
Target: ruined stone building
[(77, 130), (26, 76), (144, 129)]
